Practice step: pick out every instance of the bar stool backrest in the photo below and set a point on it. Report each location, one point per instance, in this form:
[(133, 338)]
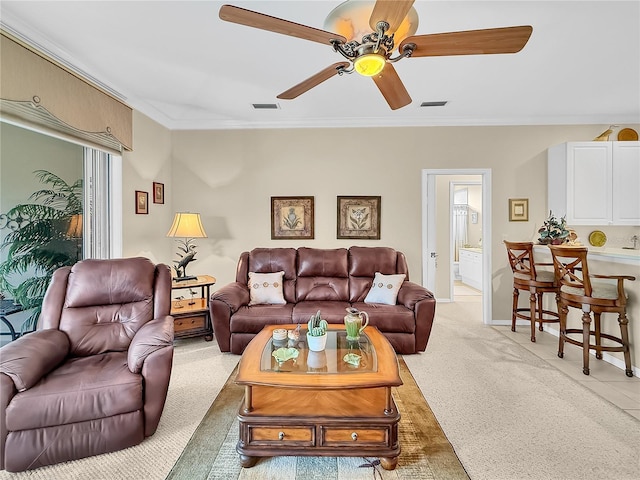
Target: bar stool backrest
[(571, 268), (521, 258)]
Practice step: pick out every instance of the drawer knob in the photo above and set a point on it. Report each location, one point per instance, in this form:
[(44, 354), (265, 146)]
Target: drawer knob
[(281, 436), (354, 436)]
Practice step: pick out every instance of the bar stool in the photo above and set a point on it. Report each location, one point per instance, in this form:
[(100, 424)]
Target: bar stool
[(578, 290), (536, 282)]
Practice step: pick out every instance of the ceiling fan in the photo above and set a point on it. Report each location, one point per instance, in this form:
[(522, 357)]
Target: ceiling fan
[(371, 53)]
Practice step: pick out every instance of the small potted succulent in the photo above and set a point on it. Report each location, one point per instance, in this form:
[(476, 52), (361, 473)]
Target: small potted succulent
[(317, 332), (553, 231)]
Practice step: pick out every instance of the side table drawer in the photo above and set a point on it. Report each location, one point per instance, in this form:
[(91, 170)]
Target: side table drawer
[(341, 436), (193, 322), (298, 436)]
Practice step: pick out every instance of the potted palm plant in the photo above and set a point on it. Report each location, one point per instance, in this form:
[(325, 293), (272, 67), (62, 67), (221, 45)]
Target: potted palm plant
[(39, 242), (317, 332)]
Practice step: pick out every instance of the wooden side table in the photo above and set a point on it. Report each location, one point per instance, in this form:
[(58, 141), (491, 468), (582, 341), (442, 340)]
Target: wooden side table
[(191, 315)]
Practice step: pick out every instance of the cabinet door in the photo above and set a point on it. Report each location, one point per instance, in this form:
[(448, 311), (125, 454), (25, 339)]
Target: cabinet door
[(589, 183), (626, 181)]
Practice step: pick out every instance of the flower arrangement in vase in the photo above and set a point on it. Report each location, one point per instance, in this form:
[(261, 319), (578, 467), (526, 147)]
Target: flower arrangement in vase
[(554, 230), (317, 332)]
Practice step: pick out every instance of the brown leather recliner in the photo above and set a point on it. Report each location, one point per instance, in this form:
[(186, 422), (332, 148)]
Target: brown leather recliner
[(93, 377)]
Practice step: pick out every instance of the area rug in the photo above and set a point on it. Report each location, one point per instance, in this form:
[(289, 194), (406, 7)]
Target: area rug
[(426, 453)]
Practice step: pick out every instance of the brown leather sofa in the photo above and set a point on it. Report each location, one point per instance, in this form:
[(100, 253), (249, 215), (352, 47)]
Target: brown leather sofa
[(329, 280), (93, 377)]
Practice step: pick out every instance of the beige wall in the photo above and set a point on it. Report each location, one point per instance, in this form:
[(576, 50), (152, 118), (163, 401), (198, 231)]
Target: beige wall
[(151, 161), (229, 176)]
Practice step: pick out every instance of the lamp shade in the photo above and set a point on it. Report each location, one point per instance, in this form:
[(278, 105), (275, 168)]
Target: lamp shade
[(75, 226), (187, 225)]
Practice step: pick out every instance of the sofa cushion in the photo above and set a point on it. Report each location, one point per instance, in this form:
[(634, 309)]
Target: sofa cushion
[(269, 260), (266, 288), (322, 274), (253, 319), (318, 262), (331, 311), (384, 288), (108, 388), (366, 261), (389, 318)]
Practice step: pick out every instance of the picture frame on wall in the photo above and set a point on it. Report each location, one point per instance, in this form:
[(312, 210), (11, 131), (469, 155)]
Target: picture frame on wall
[(518, 209), (292, 218), (158, 192), (142, 202), (359, 217)]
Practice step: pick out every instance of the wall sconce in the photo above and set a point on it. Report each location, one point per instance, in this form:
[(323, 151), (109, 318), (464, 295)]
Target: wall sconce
[(189, 226)]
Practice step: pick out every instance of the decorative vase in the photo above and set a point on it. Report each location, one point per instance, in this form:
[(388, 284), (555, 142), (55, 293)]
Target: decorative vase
[(354, 324), (317, 344)]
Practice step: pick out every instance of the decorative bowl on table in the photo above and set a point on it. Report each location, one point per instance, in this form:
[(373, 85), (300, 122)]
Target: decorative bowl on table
[(283, 354)]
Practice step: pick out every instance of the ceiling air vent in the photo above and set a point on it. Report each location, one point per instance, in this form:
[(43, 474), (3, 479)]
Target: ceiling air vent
[(265, 106), (433, 104)]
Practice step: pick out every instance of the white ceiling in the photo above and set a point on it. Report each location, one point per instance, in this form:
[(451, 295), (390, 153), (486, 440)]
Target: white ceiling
[(178, 63)]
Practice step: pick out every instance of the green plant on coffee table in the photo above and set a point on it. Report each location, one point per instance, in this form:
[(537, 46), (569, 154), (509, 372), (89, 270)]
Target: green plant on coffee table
[(554, 230), (317, 326)]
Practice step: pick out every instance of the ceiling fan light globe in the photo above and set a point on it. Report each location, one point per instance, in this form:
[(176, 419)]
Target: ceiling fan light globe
[(370, 64), (351, 20)]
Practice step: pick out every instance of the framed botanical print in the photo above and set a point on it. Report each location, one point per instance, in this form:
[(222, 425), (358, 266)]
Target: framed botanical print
[(158, 192), (142, 202), (518, 209), (359, 217), (292, 218)]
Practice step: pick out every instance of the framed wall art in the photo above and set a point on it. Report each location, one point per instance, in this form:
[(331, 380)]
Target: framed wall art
[(518, 209), (158, 192), (292, 218), (142, 202), (359, 217)]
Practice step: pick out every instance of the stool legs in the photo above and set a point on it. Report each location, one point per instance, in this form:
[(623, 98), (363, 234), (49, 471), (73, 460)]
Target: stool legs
[(586, 333), (563, 311), (532, 312), (624, 333), (514, 310)]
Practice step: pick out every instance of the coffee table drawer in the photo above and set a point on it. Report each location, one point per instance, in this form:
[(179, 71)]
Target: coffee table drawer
[(337, 436), (300, 436)]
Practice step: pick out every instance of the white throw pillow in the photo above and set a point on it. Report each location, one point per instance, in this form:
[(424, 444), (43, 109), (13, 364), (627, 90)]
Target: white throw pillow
[(266, 288), (385, 288)]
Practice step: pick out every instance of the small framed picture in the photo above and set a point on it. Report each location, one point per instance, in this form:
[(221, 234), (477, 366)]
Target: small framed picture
[(292, 218), (359, 217), (518, 209), (142, 202), (158, 192)]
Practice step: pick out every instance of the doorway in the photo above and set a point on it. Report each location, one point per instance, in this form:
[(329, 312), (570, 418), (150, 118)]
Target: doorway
[(437, 233)]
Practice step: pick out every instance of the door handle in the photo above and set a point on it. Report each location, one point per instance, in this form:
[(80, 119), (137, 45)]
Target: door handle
[(434, 254)]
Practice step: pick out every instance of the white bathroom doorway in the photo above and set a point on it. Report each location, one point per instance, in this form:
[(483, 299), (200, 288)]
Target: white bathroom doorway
[(437, 233)]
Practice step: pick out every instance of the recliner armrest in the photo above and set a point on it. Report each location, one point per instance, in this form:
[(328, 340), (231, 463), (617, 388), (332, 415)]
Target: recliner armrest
[(411, 293), (30, 357), (234, 295), (154, 335)]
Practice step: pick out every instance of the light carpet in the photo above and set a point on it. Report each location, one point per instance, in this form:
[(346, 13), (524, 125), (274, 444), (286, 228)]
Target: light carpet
[(508, 414), (426, 453)]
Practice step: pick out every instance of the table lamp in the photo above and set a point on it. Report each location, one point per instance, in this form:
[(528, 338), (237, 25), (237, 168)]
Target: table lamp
[(189, 226)]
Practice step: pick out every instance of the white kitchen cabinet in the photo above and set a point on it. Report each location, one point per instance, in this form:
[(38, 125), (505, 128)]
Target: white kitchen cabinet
[(595, 183), (470, 265)]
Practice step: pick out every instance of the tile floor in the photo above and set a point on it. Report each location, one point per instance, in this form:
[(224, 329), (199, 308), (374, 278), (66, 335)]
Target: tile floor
[(608, 381)]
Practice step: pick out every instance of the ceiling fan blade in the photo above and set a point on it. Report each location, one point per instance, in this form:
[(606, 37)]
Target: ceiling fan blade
[(250, 18), (313, 81), (390, 11), (392, 88), (471, 42)]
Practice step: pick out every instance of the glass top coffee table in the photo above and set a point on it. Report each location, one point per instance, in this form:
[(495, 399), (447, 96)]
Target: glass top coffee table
[(336, 402)]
